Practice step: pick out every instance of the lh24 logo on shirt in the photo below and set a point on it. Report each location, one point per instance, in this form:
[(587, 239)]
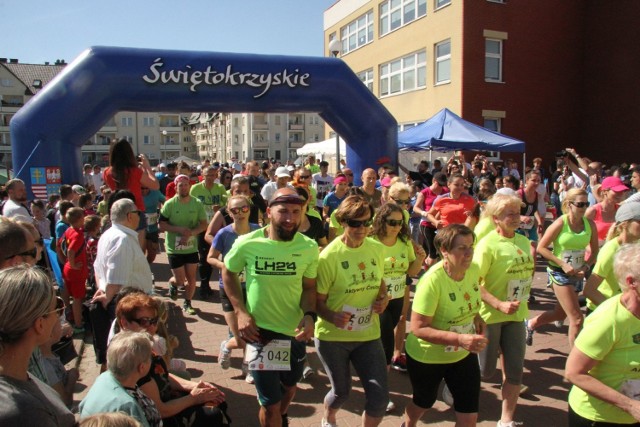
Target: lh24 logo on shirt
[(274, 268)]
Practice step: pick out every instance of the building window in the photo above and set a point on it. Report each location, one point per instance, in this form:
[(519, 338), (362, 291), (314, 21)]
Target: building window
[(277, 136), (443, 62), (127, 121), (396, 13), (493, 60), (497, 1), (366, 77), (148, 121), (493, 124), (6, 82), (404, 74), (278, 120), (260, 154), (148, 140), (441, 3), (278, 156), (357, 33)]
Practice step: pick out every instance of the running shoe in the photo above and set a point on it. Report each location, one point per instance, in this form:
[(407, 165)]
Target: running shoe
[(399, 363), (390, 406), (188, 309), (249, 378), (326, 423), (224, 357), (307, 372), (173, 292), (529, 339), (78, 330)]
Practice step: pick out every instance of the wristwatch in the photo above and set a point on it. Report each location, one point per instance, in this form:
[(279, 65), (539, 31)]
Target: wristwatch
[(312, 314)]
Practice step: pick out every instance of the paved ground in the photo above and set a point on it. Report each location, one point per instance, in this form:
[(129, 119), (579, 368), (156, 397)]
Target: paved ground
[(200, 337)]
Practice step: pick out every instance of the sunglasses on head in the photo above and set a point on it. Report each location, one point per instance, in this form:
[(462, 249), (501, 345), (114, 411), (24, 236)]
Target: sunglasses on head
[(236, 211), (145, 322), (580, 204), (355, 223), (30, 253), (402, 201), (394, 222), (59, 310)]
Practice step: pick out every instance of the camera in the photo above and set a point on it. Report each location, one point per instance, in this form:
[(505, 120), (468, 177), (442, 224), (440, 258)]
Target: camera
[(562, 153)]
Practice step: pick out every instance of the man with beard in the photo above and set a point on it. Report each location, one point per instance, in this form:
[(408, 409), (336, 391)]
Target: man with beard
[(278, 316), (171, 169), (15, 207), (182, 218)]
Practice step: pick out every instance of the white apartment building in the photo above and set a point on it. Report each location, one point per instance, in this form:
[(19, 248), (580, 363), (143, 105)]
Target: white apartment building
[(254, 136)]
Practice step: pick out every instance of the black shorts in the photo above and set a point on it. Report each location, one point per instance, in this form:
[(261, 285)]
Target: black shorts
[(153, 236), (227, 307), (462, 378), (179, 260)]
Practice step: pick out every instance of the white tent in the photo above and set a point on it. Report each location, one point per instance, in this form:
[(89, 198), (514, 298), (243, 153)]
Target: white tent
[(324, 148), (189, 160)]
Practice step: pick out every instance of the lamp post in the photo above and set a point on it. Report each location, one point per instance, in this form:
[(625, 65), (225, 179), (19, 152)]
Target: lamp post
[(334, 47)]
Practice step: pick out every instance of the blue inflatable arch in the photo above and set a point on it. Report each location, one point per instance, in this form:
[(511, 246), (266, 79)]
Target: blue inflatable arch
[(51, 128)]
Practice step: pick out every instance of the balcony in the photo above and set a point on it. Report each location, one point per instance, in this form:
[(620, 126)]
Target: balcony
[(260, 126), (296, 144), (293, 126)]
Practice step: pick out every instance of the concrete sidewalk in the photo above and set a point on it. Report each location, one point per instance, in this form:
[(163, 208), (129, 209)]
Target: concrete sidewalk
[(200, 336)]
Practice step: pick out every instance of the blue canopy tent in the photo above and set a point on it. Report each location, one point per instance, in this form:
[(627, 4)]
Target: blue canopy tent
[(447, 131)]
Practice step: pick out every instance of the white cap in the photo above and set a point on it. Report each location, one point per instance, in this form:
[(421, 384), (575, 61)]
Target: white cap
[(282, 172)]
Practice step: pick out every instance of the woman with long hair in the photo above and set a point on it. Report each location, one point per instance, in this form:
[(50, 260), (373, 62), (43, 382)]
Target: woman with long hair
[(125, 172), (400, 263), (571, 235)]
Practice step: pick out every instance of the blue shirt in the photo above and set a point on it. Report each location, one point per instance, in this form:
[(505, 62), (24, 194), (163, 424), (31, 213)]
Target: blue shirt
[(224, 240), (332, 201)]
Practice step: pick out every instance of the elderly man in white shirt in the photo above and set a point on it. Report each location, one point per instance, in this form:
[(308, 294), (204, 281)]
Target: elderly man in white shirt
[(120, 261)]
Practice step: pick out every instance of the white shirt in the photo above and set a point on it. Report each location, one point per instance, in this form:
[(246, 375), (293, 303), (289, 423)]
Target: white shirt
[(120, 260), (16, 211), (270, 188), (323, 185), (97, 181)]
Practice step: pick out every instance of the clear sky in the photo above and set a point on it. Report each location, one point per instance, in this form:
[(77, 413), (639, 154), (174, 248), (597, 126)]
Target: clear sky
[(35, 31)]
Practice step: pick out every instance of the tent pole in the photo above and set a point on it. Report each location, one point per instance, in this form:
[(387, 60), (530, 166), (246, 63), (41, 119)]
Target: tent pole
[(524, 165), (337, 153)]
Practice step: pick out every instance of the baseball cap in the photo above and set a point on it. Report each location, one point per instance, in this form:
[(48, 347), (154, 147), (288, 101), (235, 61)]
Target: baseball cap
[(179, 178), (215, 165), (79, 189), (613, 183), (386, 181), (282, 172), (340, 179), (628, 211), (291, 168)]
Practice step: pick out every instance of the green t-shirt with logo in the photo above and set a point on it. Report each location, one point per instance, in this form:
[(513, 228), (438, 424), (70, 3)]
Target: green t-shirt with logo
[(216, 195), (506, 271), (611, 335), (351, 278), (452, 305), (604, 268), (184, 215), (484, 227), (333, 223), (274, 271), (397, 259)]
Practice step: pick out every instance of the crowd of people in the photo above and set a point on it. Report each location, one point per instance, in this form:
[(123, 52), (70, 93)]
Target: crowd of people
[(305, 256)]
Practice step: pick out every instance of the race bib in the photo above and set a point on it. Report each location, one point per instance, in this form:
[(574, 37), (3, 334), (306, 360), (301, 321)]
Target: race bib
[(469, 328), (528, 226), (396, 286), (631, 388), (360, 317), (518, 289), (275, 356), (575, 258), (152, 218), (191, 243)]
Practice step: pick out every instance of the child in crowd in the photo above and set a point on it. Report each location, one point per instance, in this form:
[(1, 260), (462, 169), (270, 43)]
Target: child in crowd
[(62, 380), (51, 210), (75, 270), (103, 209), (91, 235), (42, 223), (60, 228), (86, 202)]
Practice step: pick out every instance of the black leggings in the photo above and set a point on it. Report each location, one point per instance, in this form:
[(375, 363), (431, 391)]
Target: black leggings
[(429, 233), (576, 420), (388, 321), (199, 416)]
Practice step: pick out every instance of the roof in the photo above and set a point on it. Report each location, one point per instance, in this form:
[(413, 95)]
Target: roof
[(29, 74)]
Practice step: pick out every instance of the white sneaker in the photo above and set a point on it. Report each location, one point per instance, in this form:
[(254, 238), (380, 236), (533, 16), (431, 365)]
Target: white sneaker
[(447, 397), (249, 378), (307, 372), (509, 424), (390, 406), (224, 357), (559, 323), (325, 423)]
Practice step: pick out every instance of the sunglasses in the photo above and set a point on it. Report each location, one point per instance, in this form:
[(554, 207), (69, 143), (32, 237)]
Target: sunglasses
[(145, 322), (59, 310), (136, 212), (305, 176), (580, 204), (394, 222), (348, 174), (355, 223), (402, 201), (236, 211), (31, 253)]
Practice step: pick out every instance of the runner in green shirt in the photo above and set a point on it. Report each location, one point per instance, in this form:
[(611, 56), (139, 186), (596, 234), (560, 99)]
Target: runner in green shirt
[(602, 283), (604, 363), (447, 330), (278, 318), (182, 218)]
